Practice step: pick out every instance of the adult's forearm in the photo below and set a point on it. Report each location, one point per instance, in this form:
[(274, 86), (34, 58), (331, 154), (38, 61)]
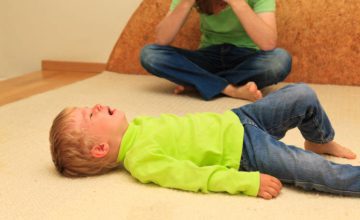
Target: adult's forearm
[(168, 28), (262, 33)]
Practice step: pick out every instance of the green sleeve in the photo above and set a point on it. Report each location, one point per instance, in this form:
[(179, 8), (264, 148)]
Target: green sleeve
[(264, 6), (185, 175), (174, 3)]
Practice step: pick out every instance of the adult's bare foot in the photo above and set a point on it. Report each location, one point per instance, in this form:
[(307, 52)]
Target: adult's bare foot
[(181, 89), (331, 148), (249, 91)]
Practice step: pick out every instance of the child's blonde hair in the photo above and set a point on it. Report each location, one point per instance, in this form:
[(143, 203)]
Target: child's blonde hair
[(70, 148)]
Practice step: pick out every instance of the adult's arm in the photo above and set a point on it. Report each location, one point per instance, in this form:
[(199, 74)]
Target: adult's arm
[(261, 27), (168, 28)]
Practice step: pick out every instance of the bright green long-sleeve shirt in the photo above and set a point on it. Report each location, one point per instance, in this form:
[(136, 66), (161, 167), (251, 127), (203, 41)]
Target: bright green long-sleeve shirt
[(195, 152)]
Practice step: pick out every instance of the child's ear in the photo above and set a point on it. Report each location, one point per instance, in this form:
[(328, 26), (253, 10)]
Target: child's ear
[(100, 150)]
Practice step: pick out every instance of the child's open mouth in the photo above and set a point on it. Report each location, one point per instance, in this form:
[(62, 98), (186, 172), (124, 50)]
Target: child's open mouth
[(111, 111)]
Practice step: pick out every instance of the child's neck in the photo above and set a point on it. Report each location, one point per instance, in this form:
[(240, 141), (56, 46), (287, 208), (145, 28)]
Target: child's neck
[(116, 145)]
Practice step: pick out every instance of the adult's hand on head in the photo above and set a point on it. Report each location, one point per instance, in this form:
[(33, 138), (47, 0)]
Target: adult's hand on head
[(171, 24), (189, 1), (232, 1), (270, 186)]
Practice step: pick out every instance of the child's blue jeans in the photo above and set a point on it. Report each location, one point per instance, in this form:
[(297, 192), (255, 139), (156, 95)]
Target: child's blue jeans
[(211, 69), (267, 120)]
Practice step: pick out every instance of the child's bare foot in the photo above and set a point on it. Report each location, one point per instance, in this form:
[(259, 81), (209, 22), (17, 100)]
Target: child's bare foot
[(249, 91), (180, 89), (331, 148)]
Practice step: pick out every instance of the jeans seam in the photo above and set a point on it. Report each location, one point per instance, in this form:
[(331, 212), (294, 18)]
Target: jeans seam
[(338, 191)]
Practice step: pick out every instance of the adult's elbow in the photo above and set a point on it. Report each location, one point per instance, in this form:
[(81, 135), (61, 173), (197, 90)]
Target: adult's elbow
[(161, 39), (270, 45), (162, 42)]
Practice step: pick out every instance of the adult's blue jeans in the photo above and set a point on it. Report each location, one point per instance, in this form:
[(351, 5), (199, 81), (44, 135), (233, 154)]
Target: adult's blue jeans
[(266, 122), (211, 69)]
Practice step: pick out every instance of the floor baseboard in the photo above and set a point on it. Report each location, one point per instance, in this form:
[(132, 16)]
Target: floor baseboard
[(71, 66)]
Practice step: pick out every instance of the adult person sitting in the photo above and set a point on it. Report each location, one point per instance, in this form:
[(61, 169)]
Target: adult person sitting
[(237, 55)]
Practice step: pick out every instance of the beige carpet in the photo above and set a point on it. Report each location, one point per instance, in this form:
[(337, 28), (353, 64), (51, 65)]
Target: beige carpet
[(31, 189)]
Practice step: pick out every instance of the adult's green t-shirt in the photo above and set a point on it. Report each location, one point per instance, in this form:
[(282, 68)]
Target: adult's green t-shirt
[(225, 27)]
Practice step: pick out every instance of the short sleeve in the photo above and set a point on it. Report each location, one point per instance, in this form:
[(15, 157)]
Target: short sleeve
[(264, 6), (174, 3)]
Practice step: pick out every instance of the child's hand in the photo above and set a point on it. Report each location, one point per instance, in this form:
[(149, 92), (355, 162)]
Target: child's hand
[(269, 186)]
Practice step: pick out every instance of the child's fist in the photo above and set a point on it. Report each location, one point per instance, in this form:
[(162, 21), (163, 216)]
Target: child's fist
[(269, 186)]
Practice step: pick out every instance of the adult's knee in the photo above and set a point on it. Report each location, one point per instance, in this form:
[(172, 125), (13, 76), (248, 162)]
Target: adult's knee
[(148, 55), (153, 55), (282, 63)]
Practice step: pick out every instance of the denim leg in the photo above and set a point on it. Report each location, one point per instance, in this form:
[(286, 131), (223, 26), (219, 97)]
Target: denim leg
[(292, 106), (293, 165), (263, 67), (178, 66)]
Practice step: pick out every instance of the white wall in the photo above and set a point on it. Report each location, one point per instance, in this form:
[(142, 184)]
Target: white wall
[(3, 63), (70, 30)]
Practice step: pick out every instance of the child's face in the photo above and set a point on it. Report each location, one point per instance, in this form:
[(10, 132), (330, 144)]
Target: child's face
[(104, 123)]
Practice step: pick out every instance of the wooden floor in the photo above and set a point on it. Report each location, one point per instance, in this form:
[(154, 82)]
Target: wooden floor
[(24, 86)]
